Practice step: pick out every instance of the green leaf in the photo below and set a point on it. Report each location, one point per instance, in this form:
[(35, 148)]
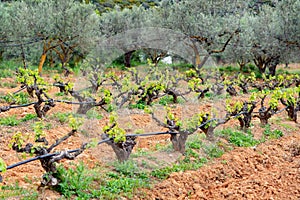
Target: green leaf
[(2, 165)]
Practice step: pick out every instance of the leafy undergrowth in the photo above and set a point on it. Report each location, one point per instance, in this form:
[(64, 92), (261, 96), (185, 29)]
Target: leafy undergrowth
[(16, 191), (13, 121)]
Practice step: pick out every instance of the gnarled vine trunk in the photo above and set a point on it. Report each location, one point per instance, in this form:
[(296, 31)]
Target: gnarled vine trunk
[(122, 149), (179, 140)]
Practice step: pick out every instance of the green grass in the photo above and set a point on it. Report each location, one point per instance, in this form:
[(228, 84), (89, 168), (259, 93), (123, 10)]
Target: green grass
[(8, 84), (239, 138), (195, 141), (13, 121), (28, 117), (140, 152), (192, 159), (229, 69), (16, 192), (182, 67), (168, 99), (254, 90), (61, 117), (271, 134), (59, 94), (76, 182), (8, 69), (139, 105), (79, 182), (93, 114), (10, 121), (242, 139), (186, 164), (125, 178), (287, 126), (213, 151), (163, 147), (6, 73)]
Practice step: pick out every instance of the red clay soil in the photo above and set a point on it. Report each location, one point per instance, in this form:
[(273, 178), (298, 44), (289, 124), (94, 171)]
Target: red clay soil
[(269, 171)]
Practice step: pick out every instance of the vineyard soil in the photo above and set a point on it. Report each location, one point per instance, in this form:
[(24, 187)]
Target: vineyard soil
[(270, 170)]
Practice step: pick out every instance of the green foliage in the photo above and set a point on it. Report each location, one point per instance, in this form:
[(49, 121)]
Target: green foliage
[(7, 68), (199, 119), (59, 94), (75, 181), (125, 178), (109, 5), (29, 117), (19, 98), (38, 130), (234, 107), (5, 73), (194, 144), (139, 152), (165, 100), (11, 65), (93, 114), (9, 121), (61, 117), (171, 117), (129, 169), (191, 160), (113, 130), (163, 147), (139, 105), (75, 122), (168, 99), (267, 27), (17, 139), (2, 165), (213, 151), (61, 24), (117, 185), (239, 138), (290, 95), (183, 165), (269, 134), (195, 141), (13, 121), (8, 84), (165, 172), (15, 191), (30, 77), (229, 69)]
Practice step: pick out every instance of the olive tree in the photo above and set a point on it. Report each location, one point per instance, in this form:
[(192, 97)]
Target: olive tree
[(109, 5), (15, 34), (2, 29), (125, 29), (62, 26), (288, 14), (268, 36), (209, 25), (262, 30)]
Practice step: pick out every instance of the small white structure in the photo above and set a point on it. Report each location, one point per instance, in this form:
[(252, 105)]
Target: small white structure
[(167, 60)]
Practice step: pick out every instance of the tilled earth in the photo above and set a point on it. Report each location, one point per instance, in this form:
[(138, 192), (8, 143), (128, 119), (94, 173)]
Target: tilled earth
[(268, 171)]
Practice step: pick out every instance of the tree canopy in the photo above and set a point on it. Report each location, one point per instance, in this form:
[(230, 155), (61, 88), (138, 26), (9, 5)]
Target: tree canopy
[(263, 32)]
